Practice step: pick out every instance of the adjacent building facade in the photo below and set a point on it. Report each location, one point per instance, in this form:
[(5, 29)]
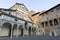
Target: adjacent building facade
[(50, 21), (34, 17)]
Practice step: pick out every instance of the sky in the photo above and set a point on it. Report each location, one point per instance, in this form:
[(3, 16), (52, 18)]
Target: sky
[(36, 5)]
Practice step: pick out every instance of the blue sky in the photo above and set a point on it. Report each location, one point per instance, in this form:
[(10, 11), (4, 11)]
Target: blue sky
[(36, 5)]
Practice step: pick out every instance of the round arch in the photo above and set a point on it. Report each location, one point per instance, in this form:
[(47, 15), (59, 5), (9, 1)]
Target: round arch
[(14, 29), (55, 22), (21, 30), (29, 31), (6, 29)]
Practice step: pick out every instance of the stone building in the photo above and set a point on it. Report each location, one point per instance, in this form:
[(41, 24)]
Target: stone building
[(50, 21), (34, 17), (13, 26), (22, 11)]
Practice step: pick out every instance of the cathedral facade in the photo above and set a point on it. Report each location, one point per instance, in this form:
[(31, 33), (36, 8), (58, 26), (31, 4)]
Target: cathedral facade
[(13, 22)]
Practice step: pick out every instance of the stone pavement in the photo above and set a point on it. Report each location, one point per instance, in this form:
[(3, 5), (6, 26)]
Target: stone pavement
[(32, 38)]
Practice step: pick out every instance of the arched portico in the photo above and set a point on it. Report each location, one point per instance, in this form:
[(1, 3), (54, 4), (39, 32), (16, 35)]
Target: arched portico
[(17, 30), (6, 29)]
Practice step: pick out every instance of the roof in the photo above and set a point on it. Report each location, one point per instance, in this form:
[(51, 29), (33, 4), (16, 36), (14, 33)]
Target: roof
[(19, 4), (35, 13), (50, 9), (7, 9)]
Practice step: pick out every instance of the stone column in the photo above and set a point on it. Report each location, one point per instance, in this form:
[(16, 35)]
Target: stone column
[(11, 31), (17, 30), (23, 29)]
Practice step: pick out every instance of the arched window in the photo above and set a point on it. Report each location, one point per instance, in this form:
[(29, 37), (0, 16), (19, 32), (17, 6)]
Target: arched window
[(42, 24), (50, 22), (55, 22), (46, 23)]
